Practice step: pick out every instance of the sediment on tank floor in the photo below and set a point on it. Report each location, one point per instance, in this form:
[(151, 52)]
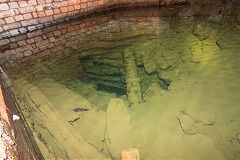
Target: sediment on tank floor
[(159, 81)]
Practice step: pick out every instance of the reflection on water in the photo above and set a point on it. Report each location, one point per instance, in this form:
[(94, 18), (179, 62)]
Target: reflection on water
[(171, 92)]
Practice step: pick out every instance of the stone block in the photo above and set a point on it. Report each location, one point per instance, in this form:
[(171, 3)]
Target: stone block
[(29, 22), (14, 32), (118, 127), (18, 38), (34, 34), (4, 42), (130, 154), (11, 26), (4, 6)]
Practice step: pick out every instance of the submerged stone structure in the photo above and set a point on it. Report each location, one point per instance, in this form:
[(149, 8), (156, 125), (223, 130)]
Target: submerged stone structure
[(131, 77)]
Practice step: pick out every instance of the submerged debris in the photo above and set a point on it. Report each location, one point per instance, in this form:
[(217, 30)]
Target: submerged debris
[(80, 109), (218, 44), (73, 121)]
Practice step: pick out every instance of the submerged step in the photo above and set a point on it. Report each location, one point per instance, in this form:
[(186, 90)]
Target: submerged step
[(131, 78), (54, 135), (63, 99)]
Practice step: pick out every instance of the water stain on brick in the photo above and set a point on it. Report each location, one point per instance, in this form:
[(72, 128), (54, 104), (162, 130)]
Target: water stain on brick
[(14, 32), (51, 7), (29, 22), (11, 26), (3, 47), (18, 38)]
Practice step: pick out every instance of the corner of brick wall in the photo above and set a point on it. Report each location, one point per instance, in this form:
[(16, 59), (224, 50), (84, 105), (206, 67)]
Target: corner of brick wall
[(24, 23)]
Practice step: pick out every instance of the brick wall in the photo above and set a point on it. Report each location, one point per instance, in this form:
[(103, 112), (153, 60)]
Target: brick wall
[(23, 24), (39, 27)]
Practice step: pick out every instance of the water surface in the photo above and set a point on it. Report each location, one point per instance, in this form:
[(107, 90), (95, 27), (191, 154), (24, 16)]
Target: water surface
[(169, 88)]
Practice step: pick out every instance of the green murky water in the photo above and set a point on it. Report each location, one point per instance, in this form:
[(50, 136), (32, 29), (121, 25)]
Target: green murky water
[(171, 91)]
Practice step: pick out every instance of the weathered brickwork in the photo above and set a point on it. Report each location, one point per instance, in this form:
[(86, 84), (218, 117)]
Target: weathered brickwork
[(38, 27), (28, 27)]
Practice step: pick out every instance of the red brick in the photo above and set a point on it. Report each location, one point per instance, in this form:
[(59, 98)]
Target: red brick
[(44, 53), (72, 43), (33, 45), (83, 6), (13, 45), (39, 8), (38, 39), (41, 1), (73, 13), (2, 22), (50, 34), (34, 34), (4, 7), (49, 12), (42, 48), (22, 4), (18, 38), (34, 14), (63, 25), (70, 8), (45, 19), (18, 18), (57, 32), (12, 26), (32, 2), (64, 9), (27, 9), (27, 16), (19, 56), (27, 53), (48, 1), (76, 27), (22, 43), (13, 5), (58, 48), (41, 14), (70, 28), (52, 39), (9, 20), (29, 22), (60, 16), (44, 37), (62, 4), (30, 41), (7, 13), (4, 42), (16, 11), (71, 3), (50, 45), (56, 11), (77, 7), (64, 31), (36, 50)]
